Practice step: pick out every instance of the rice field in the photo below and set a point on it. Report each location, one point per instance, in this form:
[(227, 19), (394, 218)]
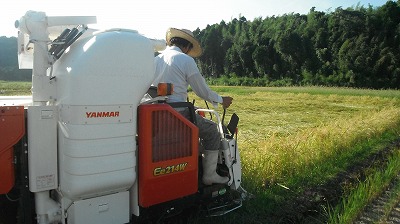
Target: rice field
[(291, 139)]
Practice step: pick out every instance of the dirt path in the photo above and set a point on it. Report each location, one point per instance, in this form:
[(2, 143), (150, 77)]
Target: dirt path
[(308, 208), (394, 216), (376, 213)]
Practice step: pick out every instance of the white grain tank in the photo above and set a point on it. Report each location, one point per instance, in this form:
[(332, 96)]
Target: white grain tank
[(101, 80)]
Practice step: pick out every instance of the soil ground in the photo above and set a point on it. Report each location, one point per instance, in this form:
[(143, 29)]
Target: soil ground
[(308, 208), (375, 212)]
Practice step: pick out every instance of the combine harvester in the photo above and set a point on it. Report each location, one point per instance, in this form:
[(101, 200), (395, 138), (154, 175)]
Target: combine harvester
[(88, 147)]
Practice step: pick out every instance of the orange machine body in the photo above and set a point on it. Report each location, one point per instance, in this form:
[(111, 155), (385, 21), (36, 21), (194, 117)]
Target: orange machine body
[(12, 128), (168, 155)]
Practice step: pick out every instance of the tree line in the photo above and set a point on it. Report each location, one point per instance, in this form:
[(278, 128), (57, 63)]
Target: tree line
[(9, 62), (353, 47)]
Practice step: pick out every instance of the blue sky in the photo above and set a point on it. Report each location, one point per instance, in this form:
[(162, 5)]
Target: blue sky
[(153, 17)]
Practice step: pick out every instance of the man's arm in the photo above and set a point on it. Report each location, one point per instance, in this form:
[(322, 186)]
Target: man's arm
[(201, 89)]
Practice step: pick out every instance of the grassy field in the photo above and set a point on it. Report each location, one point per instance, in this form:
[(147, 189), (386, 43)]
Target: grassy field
[(15, 88), (295, 138), (292, 139)]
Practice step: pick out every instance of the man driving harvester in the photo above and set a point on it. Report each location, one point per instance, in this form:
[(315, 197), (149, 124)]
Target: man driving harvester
[(176, 65)]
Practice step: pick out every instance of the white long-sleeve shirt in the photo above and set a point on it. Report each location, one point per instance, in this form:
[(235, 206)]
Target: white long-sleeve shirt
[(173, 66)]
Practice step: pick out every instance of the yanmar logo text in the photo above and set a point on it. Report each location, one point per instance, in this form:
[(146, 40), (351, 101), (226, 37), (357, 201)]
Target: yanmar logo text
[(102, 114)]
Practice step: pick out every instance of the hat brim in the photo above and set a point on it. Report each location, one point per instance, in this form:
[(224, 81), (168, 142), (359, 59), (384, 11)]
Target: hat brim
[(196, 51)]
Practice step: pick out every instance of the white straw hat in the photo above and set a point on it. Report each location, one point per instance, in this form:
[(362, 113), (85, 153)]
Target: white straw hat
[(196, 51)]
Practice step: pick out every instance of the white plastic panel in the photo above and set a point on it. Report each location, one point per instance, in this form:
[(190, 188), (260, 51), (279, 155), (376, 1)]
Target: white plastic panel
[(106, 74), (108, 114), (70, 20), (108, 68), (25, 52), (96, 160), (237, 166), (42, 148), (106, 209), (15, 100)]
